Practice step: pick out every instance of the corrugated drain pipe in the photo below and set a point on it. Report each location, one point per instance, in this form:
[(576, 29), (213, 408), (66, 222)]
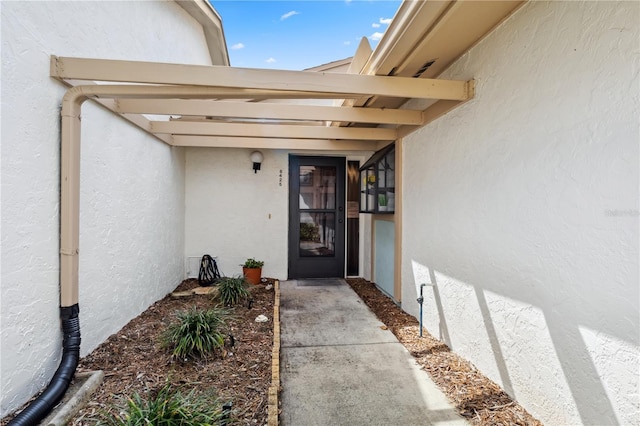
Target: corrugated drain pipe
[(70, 228)]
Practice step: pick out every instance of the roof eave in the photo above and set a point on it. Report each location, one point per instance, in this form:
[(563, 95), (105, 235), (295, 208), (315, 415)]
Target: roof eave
[(206, 15)]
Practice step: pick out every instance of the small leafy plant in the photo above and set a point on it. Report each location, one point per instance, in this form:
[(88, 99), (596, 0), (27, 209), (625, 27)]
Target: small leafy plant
[(252, 263), (169, 407), (197, 332), (232, 290)]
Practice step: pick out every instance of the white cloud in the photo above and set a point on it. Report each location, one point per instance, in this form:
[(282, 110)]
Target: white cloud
[(385, 21), (376, 36), (374, 25), (289, 15), (346, 43), (237, 46), (270, 60)]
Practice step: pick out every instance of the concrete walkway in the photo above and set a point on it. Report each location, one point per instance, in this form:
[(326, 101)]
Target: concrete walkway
[(339, 367)]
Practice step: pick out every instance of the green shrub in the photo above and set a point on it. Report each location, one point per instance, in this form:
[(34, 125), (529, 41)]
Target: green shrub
[(232, 290), (168, 408), (197, 332), (252, 263)]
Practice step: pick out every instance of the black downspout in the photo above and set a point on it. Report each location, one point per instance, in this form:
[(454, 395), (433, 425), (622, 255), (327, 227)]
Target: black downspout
[(41, 406)]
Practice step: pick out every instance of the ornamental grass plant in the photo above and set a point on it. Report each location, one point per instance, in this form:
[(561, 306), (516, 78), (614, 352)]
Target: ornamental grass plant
[(168, 407), (232, 290), (197, 332)]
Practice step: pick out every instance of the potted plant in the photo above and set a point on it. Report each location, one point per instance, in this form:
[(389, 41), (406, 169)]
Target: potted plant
[(382, 202), (252, 269)]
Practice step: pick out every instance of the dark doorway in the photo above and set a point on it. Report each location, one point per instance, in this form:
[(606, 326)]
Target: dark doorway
[(316, 217)]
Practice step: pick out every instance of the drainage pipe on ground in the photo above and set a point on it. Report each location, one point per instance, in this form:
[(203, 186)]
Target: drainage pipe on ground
[(70, 226), (40, 407)]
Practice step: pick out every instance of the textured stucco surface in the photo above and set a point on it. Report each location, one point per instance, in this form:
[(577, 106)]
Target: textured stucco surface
[(234, 213), (523, 210), (132, 189)]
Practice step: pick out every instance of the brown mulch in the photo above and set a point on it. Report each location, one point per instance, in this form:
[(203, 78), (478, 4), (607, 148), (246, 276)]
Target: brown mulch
[(133, 361), (478, 399)]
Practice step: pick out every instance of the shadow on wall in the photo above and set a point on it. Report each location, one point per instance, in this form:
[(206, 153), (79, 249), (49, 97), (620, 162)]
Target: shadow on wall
[(495, 344), (442, 324), (569, 352)]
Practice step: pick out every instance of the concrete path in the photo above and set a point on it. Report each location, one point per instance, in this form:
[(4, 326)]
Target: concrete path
[(339, 367)]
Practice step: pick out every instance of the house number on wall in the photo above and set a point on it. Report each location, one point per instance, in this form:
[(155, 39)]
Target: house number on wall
[(280, 178)]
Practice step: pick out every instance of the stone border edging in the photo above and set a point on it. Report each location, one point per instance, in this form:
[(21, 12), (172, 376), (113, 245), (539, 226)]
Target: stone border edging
[(78, 399), (274, 389)]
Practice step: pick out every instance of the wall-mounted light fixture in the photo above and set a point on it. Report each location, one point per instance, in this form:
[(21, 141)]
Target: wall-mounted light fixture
[(256, 158)]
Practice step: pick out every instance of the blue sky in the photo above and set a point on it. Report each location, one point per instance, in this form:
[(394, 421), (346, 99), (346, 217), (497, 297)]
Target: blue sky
[(294, 35)]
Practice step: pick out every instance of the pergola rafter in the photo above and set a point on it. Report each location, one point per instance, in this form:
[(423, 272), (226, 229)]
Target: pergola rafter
[(238, 107), (271, 111), (341, 85)]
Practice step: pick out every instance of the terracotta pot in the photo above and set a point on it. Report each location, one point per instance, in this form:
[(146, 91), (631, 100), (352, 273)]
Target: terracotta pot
[(253, 274)]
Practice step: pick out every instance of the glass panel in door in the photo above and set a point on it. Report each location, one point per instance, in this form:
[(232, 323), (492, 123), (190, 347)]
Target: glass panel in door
[(316, 217)]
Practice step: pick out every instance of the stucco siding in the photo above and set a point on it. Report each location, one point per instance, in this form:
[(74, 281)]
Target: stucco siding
[(523, 209), (233, 213), (132, 186)]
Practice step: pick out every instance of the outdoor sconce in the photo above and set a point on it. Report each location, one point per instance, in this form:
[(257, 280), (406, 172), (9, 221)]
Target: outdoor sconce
[(256, 158)]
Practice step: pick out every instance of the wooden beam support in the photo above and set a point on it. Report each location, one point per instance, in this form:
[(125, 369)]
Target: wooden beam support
[(273, 143), (274, 111), (339, 84), (433, 112), (272, 131), (199, 92)]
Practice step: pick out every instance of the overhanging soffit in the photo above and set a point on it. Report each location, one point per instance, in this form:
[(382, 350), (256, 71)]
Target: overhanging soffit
[(362, 109)]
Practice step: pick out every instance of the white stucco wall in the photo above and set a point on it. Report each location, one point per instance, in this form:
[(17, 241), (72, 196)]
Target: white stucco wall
[(233, 213), (132, 190), (523, 208)]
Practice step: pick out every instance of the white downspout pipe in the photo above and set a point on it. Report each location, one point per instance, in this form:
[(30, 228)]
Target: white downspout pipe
[(70, 195)]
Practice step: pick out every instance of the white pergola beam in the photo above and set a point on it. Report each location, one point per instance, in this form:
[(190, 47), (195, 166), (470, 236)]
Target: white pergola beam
[(273, 143), (269, 110), (339, 84), (272, 131)]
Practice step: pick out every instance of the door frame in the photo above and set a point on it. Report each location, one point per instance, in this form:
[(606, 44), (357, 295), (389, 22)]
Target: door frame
[(316, 267)]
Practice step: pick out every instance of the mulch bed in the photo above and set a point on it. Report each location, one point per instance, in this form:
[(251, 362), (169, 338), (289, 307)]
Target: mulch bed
[(133, 361), (478, 399)]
